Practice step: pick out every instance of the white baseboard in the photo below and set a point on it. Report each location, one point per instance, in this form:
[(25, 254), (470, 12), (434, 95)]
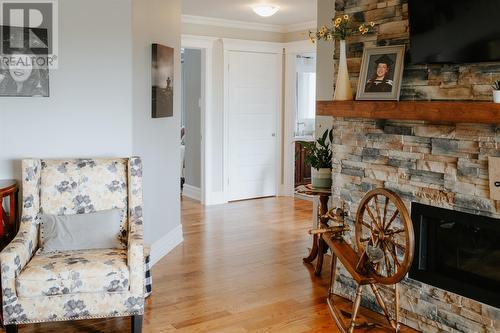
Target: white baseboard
[(167, 243), (192, 192)]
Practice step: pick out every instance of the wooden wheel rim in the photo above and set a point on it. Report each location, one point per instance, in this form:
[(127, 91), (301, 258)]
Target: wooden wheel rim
[(405, 221)]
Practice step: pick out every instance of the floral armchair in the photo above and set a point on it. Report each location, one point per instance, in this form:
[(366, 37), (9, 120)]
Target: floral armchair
[(43, 287)]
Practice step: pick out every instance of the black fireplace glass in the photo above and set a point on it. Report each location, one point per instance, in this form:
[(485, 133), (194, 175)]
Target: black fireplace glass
[(458, 252)]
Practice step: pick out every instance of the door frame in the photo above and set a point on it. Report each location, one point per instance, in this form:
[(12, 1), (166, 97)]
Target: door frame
[(292, 49), (236, 45), (205, 44)]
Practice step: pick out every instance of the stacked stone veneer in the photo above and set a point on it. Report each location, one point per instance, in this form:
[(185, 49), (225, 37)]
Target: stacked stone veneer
[(420, 82), (438, 165)]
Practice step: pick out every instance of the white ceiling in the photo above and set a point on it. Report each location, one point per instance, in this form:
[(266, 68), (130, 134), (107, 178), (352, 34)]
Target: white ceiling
[(291, 11)]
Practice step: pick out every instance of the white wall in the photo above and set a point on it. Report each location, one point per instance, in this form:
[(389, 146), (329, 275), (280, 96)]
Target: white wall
[(216, 125), (157, 141), (324, 61), (324, 65), (100, 103), (191, 98), (89, 109)]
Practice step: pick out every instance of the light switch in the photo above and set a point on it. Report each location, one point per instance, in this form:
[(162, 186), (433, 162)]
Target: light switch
[(494, 166)]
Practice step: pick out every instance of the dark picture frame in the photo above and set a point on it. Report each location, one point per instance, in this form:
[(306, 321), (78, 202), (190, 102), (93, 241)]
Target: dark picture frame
[(381, 73), (162, 77)]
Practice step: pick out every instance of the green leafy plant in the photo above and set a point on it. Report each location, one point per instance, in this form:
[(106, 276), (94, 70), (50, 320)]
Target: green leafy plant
[(496, 85), (319, 153)]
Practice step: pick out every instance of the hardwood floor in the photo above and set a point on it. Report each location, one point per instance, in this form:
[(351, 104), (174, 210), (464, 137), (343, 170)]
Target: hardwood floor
[(239, 270)]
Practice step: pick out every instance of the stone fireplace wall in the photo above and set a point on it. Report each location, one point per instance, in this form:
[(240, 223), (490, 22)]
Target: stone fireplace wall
[(438, 165), (420, 82)]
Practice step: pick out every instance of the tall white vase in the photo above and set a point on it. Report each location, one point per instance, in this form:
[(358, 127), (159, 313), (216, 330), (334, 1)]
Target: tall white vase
[(343, 90)]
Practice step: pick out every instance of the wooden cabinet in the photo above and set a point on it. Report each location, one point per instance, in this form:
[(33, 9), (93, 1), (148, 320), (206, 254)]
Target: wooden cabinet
[(302, 172)]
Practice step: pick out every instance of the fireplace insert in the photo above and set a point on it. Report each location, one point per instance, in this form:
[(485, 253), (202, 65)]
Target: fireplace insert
[(458, 252)]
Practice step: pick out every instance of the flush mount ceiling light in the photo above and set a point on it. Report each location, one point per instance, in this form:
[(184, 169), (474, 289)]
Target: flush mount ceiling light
[(265, 10)]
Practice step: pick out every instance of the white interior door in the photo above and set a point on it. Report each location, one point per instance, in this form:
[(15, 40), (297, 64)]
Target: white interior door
[(253, 107)]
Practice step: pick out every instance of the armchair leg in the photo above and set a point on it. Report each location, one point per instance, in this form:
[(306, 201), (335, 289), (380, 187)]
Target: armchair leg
[(136, 324), (11, 328)]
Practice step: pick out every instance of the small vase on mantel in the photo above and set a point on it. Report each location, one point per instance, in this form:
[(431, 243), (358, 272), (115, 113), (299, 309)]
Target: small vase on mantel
[(343, 90)]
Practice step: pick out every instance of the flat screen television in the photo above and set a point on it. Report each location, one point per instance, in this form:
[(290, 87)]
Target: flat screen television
[(454, 31)]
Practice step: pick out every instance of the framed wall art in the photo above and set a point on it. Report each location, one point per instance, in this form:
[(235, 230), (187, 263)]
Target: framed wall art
[(381, 73), (24, 71), (162, 81)]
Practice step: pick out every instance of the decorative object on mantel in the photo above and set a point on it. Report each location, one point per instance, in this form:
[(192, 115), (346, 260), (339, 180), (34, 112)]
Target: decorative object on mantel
[(163, 81), (319, 158), (385, 245), (496, 92), (342, 28), (381, 73)]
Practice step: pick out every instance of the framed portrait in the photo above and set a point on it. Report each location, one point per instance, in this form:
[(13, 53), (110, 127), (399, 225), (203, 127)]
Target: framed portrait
[(381, 73), (23, 72), (163, 81)]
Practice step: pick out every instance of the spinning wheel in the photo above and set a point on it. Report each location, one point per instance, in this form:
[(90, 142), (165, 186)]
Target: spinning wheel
[(385, 244), (384, 232)]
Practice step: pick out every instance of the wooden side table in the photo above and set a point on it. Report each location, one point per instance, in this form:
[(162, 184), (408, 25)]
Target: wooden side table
[(319, 247), (8, 220)]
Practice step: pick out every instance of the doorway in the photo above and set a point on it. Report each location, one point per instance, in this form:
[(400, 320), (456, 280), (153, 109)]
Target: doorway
[(305, 114), (191, 125), (300, 113)]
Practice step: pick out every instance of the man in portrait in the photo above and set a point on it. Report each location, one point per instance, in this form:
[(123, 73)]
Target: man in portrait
[(381, 81)]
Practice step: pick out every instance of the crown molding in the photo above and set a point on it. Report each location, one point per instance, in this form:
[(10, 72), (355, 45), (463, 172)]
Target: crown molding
[(212, 21), (218, 22), (310, 25)]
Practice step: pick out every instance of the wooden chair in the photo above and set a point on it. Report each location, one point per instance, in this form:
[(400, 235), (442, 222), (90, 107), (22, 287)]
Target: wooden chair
[(385, 244)]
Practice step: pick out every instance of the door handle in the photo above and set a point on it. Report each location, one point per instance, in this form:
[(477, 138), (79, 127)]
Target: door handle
[(273, 135)]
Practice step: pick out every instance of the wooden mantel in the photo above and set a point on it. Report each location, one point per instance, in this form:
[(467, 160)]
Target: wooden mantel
[(435, 112)]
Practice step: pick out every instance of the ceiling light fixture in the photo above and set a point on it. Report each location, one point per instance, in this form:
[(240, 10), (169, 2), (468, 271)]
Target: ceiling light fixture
[(265, 10)]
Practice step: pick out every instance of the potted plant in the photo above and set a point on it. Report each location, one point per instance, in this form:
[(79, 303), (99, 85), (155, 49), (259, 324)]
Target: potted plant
[(319, 158), (496, 91)]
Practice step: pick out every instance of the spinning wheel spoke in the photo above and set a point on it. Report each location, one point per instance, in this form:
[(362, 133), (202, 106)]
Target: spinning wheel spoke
[(386, 260), (372, 235), (367, 225), (396, 245), (396, 213), (377, 210), (368, 210), (394, 231), (385, 211), (392, 251)]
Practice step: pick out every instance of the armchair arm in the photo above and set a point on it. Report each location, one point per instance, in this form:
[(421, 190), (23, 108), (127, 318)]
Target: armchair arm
[(16, 255), (135, 255), (19, 252)]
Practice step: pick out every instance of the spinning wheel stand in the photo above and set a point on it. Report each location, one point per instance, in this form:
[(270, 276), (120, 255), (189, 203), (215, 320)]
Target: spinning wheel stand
[(385, 245)]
